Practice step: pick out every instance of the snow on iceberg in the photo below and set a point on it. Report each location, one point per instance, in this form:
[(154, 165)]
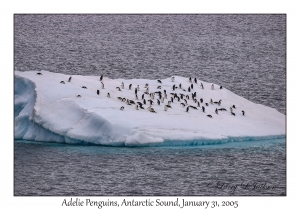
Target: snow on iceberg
[(48, 110)]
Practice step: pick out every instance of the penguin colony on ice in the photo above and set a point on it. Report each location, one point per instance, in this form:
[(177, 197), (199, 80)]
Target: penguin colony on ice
[(162, 96)]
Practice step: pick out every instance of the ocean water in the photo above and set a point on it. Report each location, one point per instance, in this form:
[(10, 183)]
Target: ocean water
[(244, 53), (238, 168)]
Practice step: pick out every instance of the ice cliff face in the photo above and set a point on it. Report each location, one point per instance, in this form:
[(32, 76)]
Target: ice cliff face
[(47, 110)]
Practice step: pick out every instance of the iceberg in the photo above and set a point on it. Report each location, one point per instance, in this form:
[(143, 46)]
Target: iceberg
[(47, 109)]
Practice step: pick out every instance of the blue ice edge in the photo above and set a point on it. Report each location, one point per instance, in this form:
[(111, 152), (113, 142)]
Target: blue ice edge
[(27, 129)]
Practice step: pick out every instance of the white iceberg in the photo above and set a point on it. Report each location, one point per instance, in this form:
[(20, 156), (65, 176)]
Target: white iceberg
[(47, 110)]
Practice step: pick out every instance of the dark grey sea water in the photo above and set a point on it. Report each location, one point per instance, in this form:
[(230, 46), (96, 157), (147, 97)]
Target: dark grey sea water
[(244, 53)]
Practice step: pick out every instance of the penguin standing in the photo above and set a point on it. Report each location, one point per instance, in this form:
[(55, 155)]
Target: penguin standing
[(203, 108), (162, 100), (70, 79), (202, 86), (130, 86), (138, 88), (108, 95), (136, 97), (135, 91), (122, 85), (101, 77), (216, 111), (192, 86), (137, 107), (195, 80), (102, 85), (158, 102), (165, 108), (189, 89), (98, 92), (187, 109), (172, 79), (144, 101), (180, 86), (143, 96), (122, 108), (212, 87), (243, 112)]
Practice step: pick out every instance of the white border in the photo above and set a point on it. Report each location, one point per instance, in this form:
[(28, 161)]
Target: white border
[(8, 8)]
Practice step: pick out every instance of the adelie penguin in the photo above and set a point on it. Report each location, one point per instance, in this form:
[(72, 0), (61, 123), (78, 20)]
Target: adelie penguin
[(122, 108), (172, 79), (62, 82), (243, 112), (203, 108), (84, 87), (158, 102), (39, 73), (189, 89), (173, 87), (98, 92), (233, 113), (122, 85), (180, 86), (233, 106), (216, 111), (209, 116), (212, 87), (136, 97), (143, 96), (158, 81), (138, 88), (187, 109), (102, 85), (130, 86), (108, 95), (101, 77), (202, 86), (70, 79), (135, 91), (195, 80), (190, 79), (119, 89), (137, 107), (165, 108), (192, 86)]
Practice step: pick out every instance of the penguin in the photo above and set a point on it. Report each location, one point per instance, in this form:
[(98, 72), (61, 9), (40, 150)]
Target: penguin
[(181, 96), (202, 86), (158, 81), (137, 107), (173, 87), (131, 101), (158, 87), (108, 95), (147, 89), (168, 106), (169, 103), (193, 107), (190, 79), (84, 87), (152, 110), (180, 86), (182, 104), (192, 86), (102, 85), (162, 100), (122, 85), (151, 102), (139, 103), (243, 112), (172, 79), (189, 89), (141, 107), (165, 108), (138, 88), (165, 95), (209, 116), (98, 92), (195, 80), (187, 109), (122, 108), (178, 99), (211, 101), (203, 108), (127, 102), (78, 96), (120, 98), (216, 111), (136, 97), (206, 104), (201, 100), (195, 94), (233, 106), (143, 96), (152, 96), (146, 85), (135, 91), (187, 97), (231, 109), (219, 103), (212, 87), (70, 79), (198, 104), (185, 101), (130, 86), (123, 99), (221, 87), (233, 113), (158, 102), (119, 89), (62, 82), (39, 73), (144, 101), (172, 100), (101, 77)]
